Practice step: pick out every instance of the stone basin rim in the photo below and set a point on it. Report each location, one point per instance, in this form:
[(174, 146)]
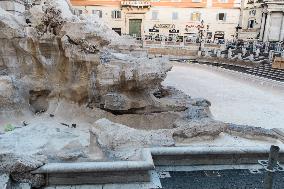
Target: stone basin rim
[(147, 163)]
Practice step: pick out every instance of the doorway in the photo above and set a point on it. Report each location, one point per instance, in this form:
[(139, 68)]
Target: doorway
[(135, 27)]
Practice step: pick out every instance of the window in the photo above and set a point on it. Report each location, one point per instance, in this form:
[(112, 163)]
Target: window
[(98, 12), (221, 16), (155, 15), (80, 11), (196, 1), (252, 12), (175, 15), (251, 24), (223, 1), (117, 30), (195, 16), (116, 14)]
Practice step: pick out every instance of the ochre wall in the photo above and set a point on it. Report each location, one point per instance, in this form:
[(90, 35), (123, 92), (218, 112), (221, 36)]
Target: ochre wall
[(165, 3)]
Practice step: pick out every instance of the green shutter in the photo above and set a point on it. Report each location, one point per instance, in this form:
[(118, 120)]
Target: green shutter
[(135, 27), (118, 14)]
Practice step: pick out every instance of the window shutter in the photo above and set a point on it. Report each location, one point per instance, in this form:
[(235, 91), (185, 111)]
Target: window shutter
[(112, 14), (119, 14), (225, 16), (217, 16)]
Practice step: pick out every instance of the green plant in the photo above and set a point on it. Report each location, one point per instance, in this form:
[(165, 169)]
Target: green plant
[(9, 127)]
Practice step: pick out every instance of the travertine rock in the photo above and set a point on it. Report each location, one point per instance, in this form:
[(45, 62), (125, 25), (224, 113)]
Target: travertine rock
[(128, 86), (115, 138), (12, 163), (5, 182), (11, 26), (48, 138), (251, 132), (81, 61), (19, 167), (202, 128), (9, 94), (72, 59)]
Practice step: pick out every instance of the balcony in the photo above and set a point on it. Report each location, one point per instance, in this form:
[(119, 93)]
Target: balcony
[(138, 4)]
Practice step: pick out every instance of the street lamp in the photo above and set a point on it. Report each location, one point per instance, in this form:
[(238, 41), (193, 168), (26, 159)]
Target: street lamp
[(237, 31), (200, 32)]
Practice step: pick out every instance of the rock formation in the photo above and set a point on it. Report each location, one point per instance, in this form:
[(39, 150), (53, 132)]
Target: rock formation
[(67, 72), (63, 56), (59, 56)]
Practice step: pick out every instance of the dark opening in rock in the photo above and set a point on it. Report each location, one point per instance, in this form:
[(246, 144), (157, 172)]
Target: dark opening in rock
[(161, 93), (39, 100)]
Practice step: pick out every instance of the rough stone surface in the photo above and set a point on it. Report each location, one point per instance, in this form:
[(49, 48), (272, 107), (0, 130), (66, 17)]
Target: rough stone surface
[(22, 186), (63, 73), (10, 26), (251, 132), (114, 137), (10, 96), (19, 167), (64, 56), (50, 139), (5, 182), (203, 128), (19, 163)]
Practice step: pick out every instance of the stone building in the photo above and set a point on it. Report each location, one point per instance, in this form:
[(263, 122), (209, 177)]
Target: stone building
[(15, 7), (174, 18), (262, 20), (250, 22), (272, 27)]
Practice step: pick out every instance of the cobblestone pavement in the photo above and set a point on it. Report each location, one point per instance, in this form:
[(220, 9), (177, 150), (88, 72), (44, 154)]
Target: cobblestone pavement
[(221, 179)]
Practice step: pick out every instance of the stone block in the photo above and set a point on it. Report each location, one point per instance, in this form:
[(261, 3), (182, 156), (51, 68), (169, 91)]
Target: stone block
[(278, 63)]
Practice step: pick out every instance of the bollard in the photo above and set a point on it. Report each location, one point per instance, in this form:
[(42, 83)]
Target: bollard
[(272, 163)]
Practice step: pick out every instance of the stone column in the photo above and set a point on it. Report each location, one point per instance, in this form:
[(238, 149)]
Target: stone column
[(262, 26), (267, 27), (282, 29)]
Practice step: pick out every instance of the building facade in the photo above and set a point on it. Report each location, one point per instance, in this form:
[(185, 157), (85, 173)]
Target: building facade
[(171, 19), (272, 28), (262, 20), (250, 23)]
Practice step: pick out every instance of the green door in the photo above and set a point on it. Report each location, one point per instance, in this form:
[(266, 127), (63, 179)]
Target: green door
[(135, 27)]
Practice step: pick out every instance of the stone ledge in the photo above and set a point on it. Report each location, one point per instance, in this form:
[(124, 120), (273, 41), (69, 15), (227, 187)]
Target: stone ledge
[(138, 171)]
